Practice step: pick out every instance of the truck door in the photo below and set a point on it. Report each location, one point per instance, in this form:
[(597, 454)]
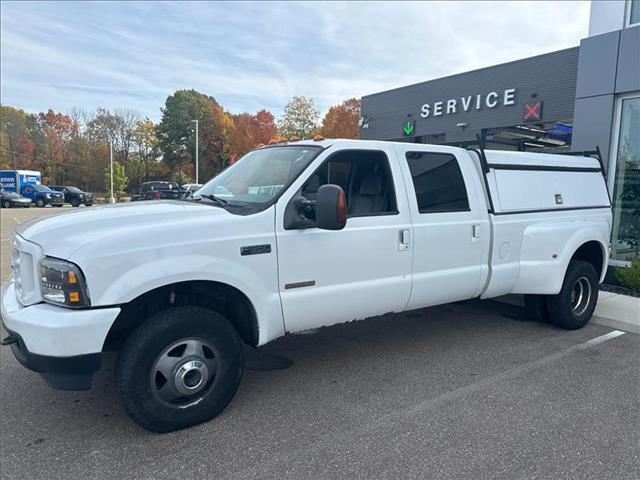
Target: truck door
[(327, 277), (450, 225)]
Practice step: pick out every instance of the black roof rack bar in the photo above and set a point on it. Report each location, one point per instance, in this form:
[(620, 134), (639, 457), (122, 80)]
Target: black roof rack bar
[(485, 168)]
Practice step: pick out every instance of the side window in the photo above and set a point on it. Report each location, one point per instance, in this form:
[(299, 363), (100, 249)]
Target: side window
[(438, 182), (365, 177)]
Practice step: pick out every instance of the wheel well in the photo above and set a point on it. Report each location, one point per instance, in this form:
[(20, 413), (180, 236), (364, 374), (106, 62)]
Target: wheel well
[(223, 298), (593, 253)]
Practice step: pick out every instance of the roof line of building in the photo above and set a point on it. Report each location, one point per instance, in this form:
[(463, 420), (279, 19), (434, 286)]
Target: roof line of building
[(472, 71)]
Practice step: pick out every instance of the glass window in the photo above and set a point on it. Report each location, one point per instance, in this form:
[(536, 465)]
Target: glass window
[(365, 178), (625, 243), (634, 12), (438, 182), (259, 176)]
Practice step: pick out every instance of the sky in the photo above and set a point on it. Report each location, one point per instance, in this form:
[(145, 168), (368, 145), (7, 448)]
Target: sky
[(250, 56)]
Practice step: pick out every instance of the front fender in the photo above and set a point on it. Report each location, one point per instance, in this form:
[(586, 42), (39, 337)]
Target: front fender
[(256, 278), (547, 249)]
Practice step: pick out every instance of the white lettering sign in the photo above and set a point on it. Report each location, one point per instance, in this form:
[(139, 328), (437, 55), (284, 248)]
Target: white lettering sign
[(477, 102)]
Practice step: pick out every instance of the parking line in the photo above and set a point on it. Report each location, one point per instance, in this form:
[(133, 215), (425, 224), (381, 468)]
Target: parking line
[(409, 412), (17, 221)]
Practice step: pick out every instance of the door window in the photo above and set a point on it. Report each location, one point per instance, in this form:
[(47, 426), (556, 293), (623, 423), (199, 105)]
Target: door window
[(365, 177), (438, 182)]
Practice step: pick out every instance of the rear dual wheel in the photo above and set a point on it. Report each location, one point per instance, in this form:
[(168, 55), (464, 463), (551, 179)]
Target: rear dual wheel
[(573, 306), (180, 367)]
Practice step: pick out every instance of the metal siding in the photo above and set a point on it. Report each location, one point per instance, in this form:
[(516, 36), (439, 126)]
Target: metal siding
[(592, 124), (552, 76), (628, 77), (597, 65)]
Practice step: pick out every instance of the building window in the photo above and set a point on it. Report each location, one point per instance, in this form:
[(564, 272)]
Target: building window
[(625, 242), (633, 7), (438, 182)]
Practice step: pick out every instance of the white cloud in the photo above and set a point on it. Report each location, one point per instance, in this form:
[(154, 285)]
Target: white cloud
[(255, 55)]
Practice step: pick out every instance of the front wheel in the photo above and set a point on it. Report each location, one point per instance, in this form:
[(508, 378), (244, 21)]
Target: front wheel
[(6, 204), (40, 203), (75, 203), (573, 307), (180, 367)]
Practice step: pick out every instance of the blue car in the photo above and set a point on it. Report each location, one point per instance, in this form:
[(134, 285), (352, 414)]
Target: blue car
[(42, 195)]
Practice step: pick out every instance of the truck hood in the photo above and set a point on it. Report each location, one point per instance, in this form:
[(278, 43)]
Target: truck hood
[(62, 235)]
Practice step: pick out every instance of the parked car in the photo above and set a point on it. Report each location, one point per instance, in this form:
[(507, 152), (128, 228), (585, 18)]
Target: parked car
[(294, 237), (74, 195), (157, 190), (13, 200), (42, 195)]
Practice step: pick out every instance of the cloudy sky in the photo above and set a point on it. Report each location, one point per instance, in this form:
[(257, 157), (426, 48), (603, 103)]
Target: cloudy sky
[(258, 55)]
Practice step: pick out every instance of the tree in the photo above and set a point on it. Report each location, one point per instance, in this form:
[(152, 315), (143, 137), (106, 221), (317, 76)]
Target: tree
[(120, 179), (252, 130), (300, 118), (146, 146), (59, 130), (341, 121), (15, 145), (176, 132)]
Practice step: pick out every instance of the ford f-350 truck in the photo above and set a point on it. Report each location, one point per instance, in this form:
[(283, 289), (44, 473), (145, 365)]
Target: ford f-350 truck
[(293, 237)]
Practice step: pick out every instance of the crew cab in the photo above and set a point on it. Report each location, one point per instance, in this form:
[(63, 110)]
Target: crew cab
[(42, 195), (293, 237)]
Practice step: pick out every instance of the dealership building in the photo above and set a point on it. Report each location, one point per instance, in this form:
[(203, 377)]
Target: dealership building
[(577, 99)]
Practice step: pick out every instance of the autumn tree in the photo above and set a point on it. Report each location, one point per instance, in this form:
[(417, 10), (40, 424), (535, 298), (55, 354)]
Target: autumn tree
[(15, 145), (300, 118), (146, 150), (176, 133), (58, 129), (341, 121), (251, 131)]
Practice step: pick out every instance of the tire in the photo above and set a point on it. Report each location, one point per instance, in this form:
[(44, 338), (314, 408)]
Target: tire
[(6, 204), (40, 202), (150, 398), (537, 307), (75, 202), (573, 307)]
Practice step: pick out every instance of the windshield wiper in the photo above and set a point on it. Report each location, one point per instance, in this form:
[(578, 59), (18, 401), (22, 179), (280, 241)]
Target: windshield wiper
[(217, 200)]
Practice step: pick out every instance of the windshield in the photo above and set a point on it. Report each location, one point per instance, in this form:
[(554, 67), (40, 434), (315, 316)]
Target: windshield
[(260, 175), (42, 188), (74, 189)]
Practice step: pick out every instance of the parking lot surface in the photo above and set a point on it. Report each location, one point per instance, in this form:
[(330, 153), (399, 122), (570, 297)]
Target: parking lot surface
[(471, 390)]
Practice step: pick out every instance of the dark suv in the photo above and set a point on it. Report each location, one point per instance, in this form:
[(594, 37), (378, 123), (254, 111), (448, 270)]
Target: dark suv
[(158, 191), (74, 195)]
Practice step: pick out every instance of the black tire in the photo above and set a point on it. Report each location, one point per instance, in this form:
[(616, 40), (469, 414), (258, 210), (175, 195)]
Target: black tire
[(6, 204), (40, 202), (537, 307), (573, 307), (75, 202), (139, 379)]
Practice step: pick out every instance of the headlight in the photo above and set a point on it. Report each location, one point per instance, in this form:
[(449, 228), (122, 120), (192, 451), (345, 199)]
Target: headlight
[(48, 195), (62, 283)]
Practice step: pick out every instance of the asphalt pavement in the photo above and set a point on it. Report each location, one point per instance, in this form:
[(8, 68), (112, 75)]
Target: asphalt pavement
[(472, 390)]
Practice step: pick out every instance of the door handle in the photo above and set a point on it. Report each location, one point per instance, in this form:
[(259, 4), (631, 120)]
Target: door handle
[(475, 233), (403, 239)]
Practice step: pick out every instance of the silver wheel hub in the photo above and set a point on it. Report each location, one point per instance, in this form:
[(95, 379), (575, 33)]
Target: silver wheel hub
[(580, 296), (184, 371)]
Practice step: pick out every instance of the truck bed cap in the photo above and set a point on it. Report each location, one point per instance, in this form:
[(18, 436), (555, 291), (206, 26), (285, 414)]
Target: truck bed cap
[(501, 157)]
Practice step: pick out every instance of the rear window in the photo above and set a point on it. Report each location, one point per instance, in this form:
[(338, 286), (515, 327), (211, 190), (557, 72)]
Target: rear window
[(438, 182)]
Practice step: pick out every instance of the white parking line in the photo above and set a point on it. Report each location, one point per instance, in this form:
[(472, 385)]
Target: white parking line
[(17, 221)]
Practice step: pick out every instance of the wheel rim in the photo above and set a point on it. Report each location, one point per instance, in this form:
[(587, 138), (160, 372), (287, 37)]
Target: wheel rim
[(580, 296), (184, 372)]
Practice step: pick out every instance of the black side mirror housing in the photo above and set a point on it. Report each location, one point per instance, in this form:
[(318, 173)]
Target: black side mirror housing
[(331, 208)]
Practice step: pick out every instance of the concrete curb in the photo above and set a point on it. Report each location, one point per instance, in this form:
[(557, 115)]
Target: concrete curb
[(621, 312)]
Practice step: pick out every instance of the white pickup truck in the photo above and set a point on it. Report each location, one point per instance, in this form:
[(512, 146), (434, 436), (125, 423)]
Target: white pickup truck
[(293, 237)]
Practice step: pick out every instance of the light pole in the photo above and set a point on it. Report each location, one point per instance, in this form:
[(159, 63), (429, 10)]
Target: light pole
[(196, 122), (111, 200)]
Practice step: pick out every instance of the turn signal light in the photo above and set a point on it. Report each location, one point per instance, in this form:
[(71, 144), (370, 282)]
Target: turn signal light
[(71, 278), (74, 297)]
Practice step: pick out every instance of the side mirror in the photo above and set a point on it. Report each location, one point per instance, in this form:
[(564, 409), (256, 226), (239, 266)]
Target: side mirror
[(331, 208)]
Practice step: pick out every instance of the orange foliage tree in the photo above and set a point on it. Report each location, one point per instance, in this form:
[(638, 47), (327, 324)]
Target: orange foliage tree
[(341, 121)]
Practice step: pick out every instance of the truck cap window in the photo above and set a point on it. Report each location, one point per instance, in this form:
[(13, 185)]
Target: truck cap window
[(438, 182), (258, 177)]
